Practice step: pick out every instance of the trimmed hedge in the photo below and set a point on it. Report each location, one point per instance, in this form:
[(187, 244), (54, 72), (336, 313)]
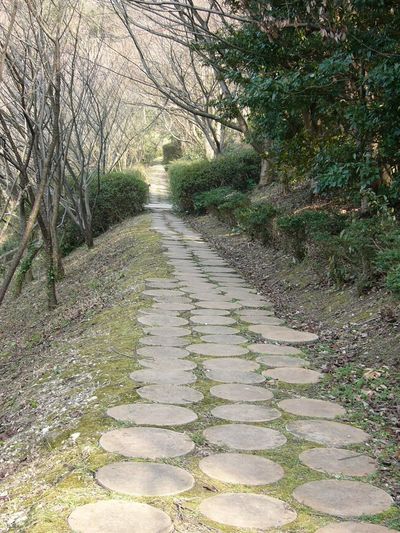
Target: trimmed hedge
[(238, 170), (121, 195), (257, 220)]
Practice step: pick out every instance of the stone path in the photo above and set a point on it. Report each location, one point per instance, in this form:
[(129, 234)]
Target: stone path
[(217, 371)]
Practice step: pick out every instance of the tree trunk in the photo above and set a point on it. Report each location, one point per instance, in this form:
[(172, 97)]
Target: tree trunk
[(51, 276), (267, 173)]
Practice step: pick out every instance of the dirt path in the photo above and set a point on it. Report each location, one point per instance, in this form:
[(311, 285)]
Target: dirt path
[(225, 435)]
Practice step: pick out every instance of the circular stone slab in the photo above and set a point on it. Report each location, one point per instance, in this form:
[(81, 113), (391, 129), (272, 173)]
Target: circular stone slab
[(210, 312), (165, 377), (311, 407), (162, 293), (162, 341), (241, 393), (147, 443), (230, 363), (337, 461), (274, 349), (283, 334), (116, 516), (210, 320), (224, 339), (167, 332), (162, 351), (149, 414), (161, 320), (267, 321), (237, 412), (249, 511), (241, 468), (278, 361), (167, 363), (173, 306), (218, 305), (244, 437), (232, 376), (144, 479), (216, 330), (293, 375), (343, 498), (255, 317), (327, 432), (354, 527), (217, 350), (170, 394)]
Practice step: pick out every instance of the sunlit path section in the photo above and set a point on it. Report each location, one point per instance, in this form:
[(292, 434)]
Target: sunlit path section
[(159, 189)]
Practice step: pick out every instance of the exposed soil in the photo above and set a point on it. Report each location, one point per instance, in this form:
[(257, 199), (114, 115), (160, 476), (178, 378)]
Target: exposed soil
[(360, 335)]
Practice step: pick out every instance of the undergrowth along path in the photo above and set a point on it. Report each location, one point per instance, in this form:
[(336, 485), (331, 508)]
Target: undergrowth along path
[(226, 411)]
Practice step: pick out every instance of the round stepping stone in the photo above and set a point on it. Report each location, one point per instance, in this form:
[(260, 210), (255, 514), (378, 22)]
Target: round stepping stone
[(150, 414), (115, 516), (337, 461), (144, 479), (216, 330), (218, 305), (275, 349), (295, 375), (244, 437), (249, 511), (210, 312), (162, 351), (255, 303), (162, 320), (160, 280), (237, 412), (162, 293), (343, 498), (174, 306), (230, 363), (232, 376), (167, 332), (283, 334), (241, 469), (268, 321), (327, 432), (160, 285), (173, 394), (224, 339), (147, 443), (237, 392), (277, 361), (167, 363), (311, 407), (217, 350), (171, 377), (150, 340), (209, 296), (255, 315), (210, 320), (354, 527)]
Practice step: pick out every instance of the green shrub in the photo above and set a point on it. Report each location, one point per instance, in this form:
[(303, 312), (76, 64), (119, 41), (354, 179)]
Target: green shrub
[(257, 221), (393, 280), (121, 195), (299, 229), (238, 170), (172, 151), (223, 202), (210, 200)]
